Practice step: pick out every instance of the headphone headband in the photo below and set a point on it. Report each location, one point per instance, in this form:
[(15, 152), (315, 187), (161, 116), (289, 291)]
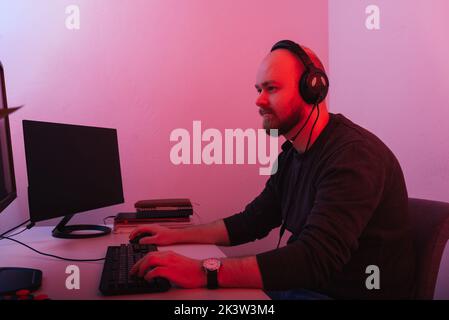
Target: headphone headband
[(314, 84), (297, 50)]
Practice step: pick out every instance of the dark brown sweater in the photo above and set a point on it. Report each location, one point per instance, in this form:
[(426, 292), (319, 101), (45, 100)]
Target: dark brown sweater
[(345, 202)]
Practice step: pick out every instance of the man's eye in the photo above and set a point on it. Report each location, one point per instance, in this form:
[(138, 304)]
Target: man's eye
[(271, 89)]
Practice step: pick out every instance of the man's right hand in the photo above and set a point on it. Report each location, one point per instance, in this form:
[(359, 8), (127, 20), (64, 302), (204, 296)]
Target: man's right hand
[(211, 233), (160, 235)]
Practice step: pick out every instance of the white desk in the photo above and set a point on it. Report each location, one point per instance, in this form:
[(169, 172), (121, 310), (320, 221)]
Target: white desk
[(54, 276)]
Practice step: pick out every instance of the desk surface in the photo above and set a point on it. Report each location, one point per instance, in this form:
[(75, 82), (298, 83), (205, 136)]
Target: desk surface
[(54, 270)]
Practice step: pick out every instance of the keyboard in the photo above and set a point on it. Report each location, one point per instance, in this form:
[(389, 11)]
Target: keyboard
[(115, 279)]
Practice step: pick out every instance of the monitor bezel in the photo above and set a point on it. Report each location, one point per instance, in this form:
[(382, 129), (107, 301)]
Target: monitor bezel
[(13, 194)]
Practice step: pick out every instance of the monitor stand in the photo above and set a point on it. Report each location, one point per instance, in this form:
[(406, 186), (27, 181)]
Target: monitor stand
[(66, 232)]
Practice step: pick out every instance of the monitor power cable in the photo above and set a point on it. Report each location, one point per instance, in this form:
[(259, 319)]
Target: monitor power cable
[(3, 236)]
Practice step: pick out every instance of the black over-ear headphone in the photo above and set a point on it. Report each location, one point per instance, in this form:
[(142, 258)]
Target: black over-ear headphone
[(314, 84)]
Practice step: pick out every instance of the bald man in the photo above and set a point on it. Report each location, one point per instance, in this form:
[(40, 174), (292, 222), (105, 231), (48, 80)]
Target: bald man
[(339, 191)]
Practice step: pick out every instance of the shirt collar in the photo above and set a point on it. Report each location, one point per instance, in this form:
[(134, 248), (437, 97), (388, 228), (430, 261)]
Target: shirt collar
[(286, 145)]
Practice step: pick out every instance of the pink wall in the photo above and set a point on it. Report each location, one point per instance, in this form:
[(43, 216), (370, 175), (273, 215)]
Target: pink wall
[(394, 81), (147, 68)]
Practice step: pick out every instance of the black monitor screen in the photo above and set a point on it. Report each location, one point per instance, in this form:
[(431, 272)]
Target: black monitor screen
[(7, 182), (70, 168)]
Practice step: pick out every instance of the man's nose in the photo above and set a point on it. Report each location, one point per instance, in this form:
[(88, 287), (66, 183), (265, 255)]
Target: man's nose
[(262, 100)]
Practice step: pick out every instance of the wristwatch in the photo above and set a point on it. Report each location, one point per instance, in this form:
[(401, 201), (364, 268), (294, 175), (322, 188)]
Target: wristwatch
[(211, 267)]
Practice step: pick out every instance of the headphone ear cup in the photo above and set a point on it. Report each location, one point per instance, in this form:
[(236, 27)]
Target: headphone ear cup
[(313, 86)]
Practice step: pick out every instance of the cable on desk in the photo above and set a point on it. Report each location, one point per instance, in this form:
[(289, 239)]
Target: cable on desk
[(196, 212), (198, 216), (17, 233), (50, 255), (108, 217), (12, 229)]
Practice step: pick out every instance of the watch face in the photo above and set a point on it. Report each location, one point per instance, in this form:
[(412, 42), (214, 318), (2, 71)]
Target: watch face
[(212, 264)]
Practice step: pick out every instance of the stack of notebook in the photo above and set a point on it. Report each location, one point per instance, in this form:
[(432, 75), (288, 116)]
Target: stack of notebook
[(172, 213)]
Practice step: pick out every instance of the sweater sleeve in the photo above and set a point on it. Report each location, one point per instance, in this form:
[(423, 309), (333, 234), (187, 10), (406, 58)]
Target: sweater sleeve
[(259, 217), (348, 190)]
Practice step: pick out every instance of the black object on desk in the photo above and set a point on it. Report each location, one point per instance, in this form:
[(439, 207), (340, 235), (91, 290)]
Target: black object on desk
[(15, 279), (183, 204), (116, 280), (137, 238), (149, 216)]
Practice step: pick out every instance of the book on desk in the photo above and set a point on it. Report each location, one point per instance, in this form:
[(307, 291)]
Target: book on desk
[(171, 213)]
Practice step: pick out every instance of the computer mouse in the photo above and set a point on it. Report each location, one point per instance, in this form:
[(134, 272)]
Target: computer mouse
[(137, 238)]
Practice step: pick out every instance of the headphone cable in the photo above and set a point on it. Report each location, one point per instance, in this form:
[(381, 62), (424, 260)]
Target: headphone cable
[(303, 126), (313, 126), (284, 226)]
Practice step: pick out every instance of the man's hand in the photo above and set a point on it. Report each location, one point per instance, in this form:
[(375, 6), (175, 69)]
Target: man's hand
[(211, 233), (161, 236), (179, 270)]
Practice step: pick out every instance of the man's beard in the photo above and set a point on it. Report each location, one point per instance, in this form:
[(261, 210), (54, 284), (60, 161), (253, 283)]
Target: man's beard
[(282, 126)]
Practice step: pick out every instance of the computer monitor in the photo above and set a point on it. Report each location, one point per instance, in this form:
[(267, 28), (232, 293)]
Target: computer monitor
[(71, 169), (7, 181), (11, 278)]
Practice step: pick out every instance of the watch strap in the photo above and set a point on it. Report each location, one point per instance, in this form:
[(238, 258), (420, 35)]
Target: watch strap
[(212, 279)]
